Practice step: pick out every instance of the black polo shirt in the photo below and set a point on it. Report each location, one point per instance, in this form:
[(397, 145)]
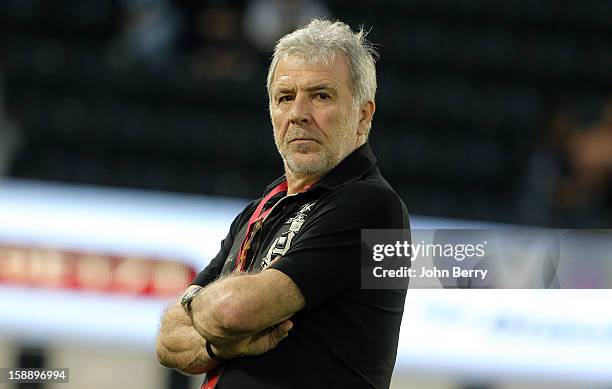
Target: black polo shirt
[(346, 337)]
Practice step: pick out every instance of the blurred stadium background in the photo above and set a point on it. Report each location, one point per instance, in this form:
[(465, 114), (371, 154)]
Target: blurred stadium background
[(132, 131)]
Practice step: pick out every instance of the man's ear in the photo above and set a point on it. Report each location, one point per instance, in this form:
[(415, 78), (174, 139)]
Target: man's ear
[(366, 113)]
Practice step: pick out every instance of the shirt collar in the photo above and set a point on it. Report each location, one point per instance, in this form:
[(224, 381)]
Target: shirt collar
[(351, 168)]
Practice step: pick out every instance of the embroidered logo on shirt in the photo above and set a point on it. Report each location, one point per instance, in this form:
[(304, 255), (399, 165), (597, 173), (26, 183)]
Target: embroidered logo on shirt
[(283, 242)]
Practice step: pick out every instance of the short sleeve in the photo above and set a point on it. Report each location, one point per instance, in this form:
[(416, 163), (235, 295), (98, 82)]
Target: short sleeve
[(213, 269), (325, 258)]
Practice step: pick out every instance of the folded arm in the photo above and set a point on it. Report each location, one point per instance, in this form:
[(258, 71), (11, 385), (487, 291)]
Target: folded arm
[(233, 312), (240, 315)]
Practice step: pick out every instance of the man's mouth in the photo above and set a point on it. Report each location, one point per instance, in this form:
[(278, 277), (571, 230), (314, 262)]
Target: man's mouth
[(300, 140)]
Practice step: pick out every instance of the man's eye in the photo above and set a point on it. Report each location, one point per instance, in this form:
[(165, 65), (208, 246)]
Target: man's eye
[(285, 98), (322, 96)]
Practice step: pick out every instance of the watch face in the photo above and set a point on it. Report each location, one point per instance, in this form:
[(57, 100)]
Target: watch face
[(187, 297)]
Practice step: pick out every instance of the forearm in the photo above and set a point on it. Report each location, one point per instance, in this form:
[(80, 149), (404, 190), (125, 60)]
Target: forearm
[(240, 306), (180, 346), (213, 314)]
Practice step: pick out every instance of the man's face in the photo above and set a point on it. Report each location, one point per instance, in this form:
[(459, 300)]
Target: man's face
[(311, 106)]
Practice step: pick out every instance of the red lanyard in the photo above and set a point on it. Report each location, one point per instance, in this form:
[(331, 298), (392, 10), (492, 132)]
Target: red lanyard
[(212, 377), (256, 217)]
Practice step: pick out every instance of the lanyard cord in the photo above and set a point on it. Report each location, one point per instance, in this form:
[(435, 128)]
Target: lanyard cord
[(256, 219)]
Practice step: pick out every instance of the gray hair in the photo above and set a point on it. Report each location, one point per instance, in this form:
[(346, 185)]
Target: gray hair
[(319, 41)]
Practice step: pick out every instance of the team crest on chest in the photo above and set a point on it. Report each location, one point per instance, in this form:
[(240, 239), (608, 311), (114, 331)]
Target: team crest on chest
[(283, 242)]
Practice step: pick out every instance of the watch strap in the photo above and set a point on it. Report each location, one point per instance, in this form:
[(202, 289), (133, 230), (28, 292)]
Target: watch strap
[(212, 354)]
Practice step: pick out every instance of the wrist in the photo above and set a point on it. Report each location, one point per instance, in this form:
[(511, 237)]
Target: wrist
[(214, 353)]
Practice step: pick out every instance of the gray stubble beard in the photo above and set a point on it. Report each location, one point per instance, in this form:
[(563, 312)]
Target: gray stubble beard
[(327, 162)]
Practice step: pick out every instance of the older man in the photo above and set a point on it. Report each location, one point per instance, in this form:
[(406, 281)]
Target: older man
[(281, 305)]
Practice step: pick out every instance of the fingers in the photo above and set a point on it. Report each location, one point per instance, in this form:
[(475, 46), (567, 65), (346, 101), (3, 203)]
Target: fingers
[(286, 326), (281, 331), (273, 262), (268, 339), (276, 260)]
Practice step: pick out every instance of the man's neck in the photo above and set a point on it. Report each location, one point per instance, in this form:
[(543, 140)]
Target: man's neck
[(298, 183)]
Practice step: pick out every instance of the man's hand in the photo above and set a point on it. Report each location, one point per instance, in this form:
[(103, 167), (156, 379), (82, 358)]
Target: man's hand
[(179, 345), (257, 344)]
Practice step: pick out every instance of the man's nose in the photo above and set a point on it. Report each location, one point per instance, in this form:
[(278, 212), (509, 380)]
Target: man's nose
[(300, 109)]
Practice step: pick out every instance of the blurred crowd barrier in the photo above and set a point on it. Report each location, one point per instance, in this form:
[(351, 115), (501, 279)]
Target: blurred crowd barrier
[(85, 273)]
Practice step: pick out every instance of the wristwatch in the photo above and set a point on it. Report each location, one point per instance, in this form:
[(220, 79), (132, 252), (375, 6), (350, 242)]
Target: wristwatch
[(188, 297)]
